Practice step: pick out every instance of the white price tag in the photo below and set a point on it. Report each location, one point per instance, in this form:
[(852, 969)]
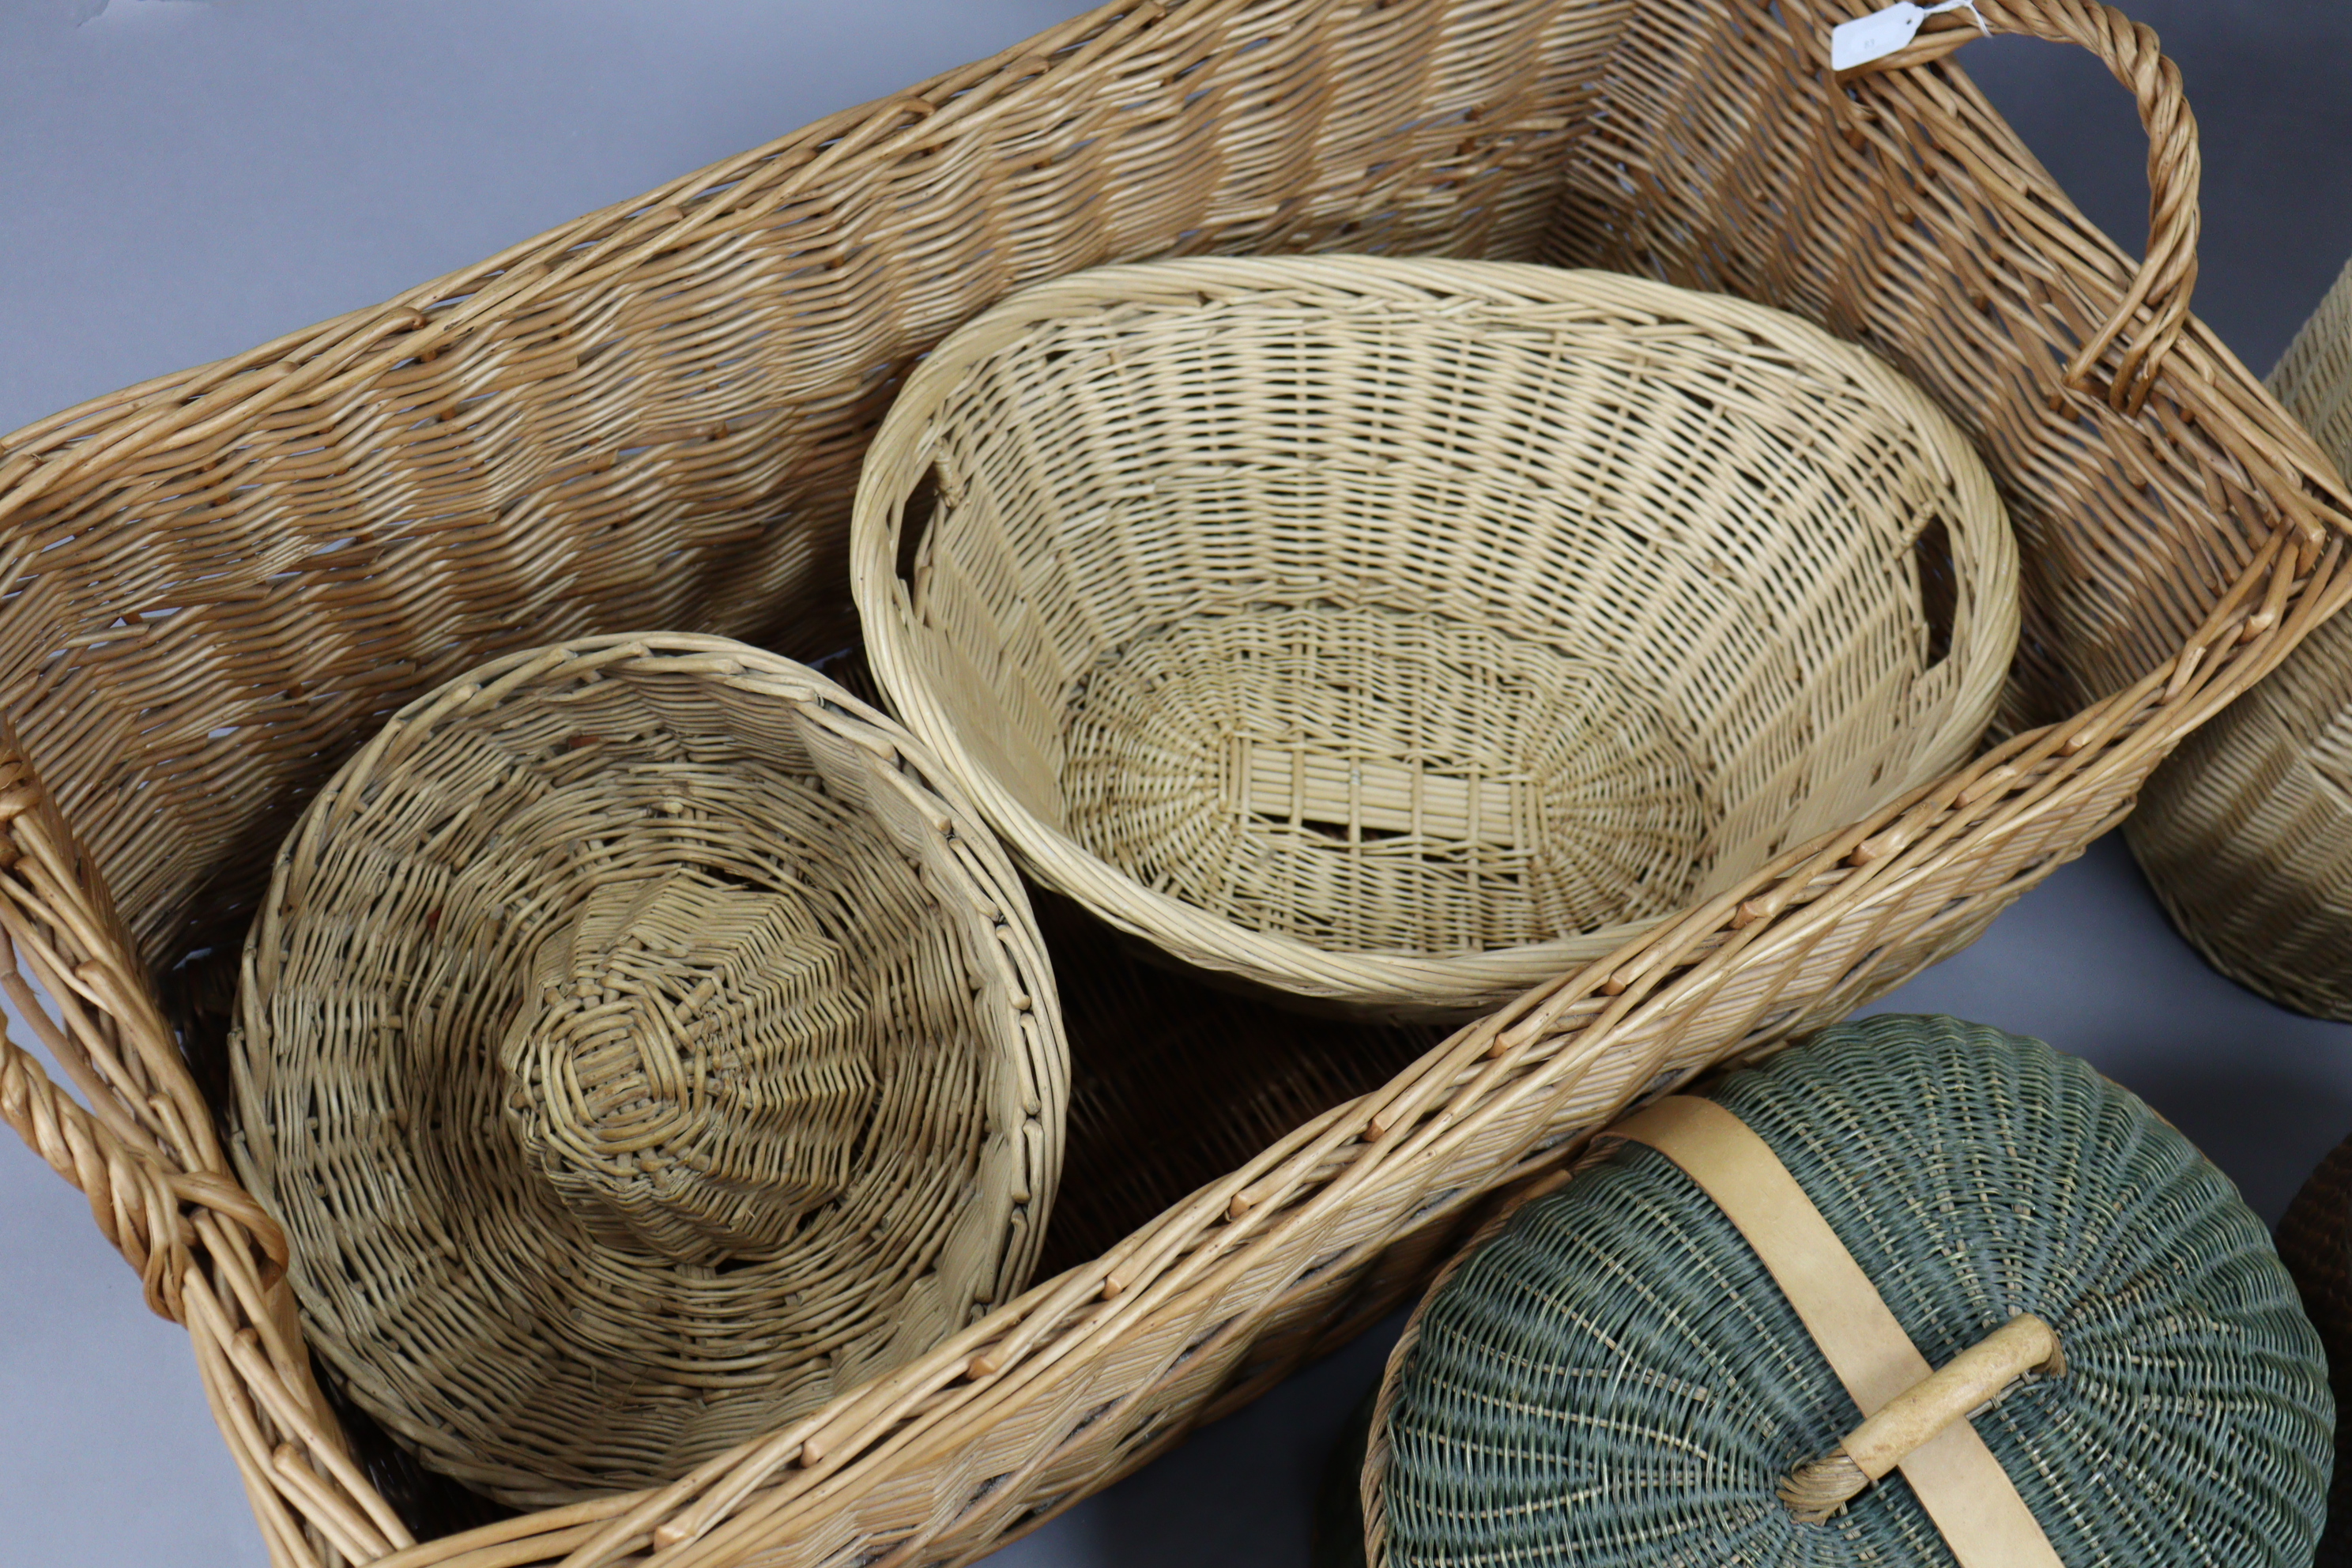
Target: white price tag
[(1880, 34)]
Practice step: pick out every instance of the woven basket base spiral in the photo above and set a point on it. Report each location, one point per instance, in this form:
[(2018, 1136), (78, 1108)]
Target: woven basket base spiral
[(1372, 781), (627, 1050)]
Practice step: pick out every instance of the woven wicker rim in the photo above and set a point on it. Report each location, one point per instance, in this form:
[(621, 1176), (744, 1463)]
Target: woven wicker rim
[(1366, 300), (716, 1046)]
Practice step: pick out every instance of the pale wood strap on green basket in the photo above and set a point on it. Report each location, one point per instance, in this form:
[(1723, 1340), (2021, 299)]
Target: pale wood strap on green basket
[(1915, 1417)]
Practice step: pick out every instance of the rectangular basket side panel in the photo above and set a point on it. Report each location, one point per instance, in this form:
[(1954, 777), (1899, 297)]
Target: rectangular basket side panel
[(218, 583), (1901, 213), (1150, 1390)]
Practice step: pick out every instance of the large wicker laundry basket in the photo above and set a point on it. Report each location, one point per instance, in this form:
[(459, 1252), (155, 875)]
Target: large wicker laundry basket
[(219, 585), (639, 1050), (1399, 634), (2246, 831)]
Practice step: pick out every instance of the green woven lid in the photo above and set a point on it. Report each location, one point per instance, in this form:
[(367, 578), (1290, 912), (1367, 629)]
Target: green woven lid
[(1616, 1379)]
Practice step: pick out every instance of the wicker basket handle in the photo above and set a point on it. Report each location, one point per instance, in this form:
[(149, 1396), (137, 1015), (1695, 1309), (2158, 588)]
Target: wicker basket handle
[(2168, 274), (1817, 1489), (140, 1143)]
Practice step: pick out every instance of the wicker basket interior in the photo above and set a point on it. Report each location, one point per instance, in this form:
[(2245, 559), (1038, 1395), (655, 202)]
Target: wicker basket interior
[(1284, 609), (637, 1052)]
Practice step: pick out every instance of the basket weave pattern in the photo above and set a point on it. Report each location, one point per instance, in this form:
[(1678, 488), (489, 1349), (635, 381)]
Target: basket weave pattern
[(654, 416), (1616, 1377), (1406, 633), (2246, 832), (761, 1015)]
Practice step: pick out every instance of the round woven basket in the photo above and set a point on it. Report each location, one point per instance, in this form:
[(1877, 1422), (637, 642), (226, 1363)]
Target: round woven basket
[(1630, 1374), (2245, 832), (2314, 1242), (639, 1048), (1399, 634)]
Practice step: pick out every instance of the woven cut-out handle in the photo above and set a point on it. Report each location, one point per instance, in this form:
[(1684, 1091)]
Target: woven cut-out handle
[(2168, 274), (1819, 1489)]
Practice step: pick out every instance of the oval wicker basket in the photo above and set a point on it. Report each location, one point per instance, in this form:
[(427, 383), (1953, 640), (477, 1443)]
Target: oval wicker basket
[(215, 587), (1628, 1374), (2245, 832), (639, 1050), (1397, 634)]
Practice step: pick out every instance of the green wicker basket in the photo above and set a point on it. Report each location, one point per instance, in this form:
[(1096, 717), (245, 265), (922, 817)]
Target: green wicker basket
[(1619, 1376)]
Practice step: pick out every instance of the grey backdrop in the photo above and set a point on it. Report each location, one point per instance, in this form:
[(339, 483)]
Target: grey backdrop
[(182, 180)]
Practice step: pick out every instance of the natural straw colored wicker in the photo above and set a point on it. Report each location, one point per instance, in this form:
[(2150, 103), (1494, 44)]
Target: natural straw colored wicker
[(1398, 634), (2246, 832), (639, 1050), (1616, 1378), (1173, 1083), (2314, 1242), (216, 586)]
